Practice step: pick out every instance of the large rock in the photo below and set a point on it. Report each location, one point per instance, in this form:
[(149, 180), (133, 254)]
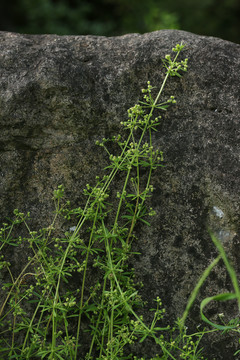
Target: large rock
[(58, 94)]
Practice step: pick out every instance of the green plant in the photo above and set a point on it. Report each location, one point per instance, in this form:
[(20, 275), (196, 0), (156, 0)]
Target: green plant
[(58, 306)]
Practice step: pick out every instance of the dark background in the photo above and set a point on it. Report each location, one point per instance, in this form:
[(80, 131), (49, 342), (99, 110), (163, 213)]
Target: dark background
[(220, 18)]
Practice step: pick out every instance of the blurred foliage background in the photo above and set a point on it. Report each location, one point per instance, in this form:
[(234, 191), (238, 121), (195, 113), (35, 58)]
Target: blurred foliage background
[(220, 18)]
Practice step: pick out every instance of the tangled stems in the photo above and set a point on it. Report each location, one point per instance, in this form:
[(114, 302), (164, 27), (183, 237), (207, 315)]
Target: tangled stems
[(129, 158)]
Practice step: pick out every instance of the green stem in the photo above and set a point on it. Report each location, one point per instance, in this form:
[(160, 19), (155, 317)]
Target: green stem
[(230, 269), (197, 288), (98, 320), (83, 282)]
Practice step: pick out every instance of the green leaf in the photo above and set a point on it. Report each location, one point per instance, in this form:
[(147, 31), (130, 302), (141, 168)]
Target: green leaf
[(145, 222), (143, 338), (220, 297), (160, 328)]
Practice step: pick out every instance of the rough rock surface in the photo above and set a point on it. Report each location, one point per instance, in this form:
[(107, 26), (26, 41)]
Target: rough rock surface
[(58, 94)]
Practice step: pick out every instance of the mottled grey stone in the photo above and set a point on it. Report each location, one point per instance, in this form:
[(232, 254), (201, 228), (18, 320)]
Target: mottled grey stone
[(58, 94)]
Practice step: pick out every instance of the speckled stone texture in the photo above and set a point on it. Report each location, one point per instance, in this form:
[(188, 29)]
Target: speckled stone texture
[(59, 94)]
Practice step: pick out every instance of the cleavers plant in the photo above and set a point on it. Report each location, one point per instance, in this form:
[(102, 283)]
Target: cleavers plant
[(75, 297)]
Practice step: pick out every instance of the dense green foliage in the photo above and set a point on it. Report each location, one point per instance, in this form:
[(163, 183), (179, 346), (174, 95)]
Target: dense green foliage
[(116, 17)]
